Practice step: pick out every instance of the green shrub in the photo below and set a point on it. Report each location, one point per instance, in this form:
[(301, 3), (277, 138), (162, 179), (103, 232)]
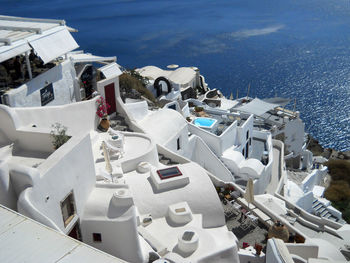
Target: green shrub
[(339, 190), (339, 170), (58, 135), (198, 109), (131, 80)]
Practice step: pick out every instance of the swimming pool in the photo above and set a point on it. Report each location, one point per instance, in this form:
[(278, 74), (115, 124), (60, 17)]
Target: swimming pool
[(206, 123)]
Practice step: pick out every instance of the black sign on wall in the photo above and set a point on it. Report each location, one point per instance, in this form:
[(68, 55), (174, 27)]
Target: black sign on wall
[(46, 94)]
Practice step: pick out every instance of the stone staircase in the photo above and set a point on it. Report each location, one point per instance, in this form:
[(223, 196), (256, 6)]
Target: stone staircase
[(118, 123), (166, 161), (321, 210)]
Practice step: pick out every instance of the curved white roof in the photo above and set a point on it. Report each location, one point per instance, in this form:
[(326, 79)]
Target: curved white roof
[(183, 75), (153, 72), (163, 125), (252, 167), (199, 193)]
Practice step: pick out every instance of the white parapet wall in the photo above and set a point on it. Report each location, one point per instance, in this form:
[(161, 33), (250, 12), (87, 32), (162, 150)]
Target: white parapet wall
[(200, 153), (79, 117)]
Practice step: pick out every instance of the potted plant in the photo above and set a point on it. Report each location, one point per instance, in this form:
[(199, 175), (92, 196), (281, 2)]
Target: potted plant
[(258, 249), (102, 109)]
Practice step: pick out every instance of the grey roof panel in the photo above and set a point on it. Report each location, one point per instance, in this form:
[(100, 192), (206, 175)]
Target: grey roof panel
[(257, 107), (24, 240)]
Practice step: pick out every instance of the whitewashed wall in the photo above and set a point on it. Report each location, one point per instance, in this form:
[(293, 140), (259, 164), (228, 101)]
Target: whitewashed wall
[(294, 136), (218, 144), (70, 168), (314, 178), (241, 139), (119, 235), (202, 155), (171, 144), (30, 139), (137, 110), (61, 76), (79, 117)]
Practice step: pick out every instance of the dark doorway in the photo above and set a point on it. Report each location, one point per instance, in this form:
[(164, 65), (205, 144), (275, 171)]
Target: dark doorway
[(75, 232), (110, 97)]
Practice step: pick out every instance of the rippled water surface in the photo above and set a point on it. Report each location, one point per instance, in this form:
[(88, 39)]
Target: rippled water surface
[(293, 48)]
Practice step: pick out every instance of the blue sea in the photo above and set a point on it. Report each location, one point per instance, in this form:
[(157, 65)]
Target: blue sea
[(298, 49)]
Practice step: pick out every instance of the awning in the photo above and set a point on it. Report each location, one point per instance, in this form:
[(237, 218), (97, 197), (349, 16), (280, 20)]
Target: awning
[(86, 58), (278, 100), (12, 51), (54, 45), (111, 70), (257, 107)]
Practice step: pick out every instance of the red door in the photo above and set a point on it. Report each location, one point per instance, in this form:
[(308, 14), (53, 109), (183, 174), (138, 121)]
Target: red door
[(110, 97)]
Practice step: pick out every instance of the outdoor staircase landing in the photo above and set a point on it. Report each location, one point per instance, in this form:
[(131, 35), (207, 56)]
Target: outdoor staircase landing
[(118, 123)]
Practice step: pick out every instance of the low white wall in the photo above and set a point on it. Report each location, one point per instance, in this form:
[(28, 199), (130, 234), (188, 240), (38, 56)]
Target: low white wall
[(150, 156), (209, 161), (79, 117), (138, 110), (62, 78), (32, 139), (212, 140), (247, 257), (335, 212)]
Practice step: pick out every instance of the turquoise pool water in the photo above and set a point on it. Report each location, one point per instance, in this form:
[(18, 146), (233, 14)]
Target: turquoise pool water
[(204, 122)]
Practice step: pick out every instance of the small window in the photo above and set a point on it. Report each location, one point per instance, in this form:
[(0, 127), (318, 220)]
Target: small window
[(247, 150), (97, 237), (178, 144), (247, 135), (68, 209)]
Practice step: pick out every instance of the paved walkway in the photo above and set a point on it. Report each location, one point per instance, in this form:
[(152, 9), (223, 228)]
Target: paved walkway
[(275, 177)]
